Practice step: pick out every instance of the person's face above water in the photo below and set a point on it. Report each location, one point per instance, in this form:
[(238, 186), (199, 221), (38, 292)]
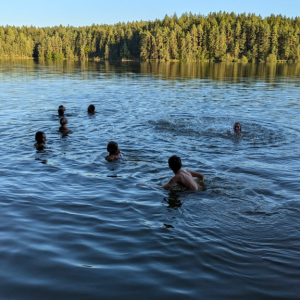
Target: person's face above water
[(237, 127), (44, 138)]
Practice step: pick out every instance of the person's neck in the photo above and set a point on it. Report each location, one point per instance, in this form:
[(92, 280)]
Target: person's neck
[(177, 172)]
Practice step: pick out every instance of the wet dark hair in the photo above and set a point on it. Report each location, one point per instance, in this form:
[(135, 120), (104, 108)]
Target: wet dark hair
[(175, 163), (39, 136), (63, 121), (61, 111), (112, 148), (91, 108), (237, 123)]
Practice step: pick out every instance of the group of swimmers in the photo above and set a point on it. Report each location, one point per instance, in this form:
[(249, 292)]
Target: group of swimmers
[(40, 136), (63, 121), (182, 177)]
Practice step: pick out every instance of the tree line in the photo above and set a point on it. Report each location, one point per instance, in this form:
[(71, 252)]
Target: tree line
[(219, 36)]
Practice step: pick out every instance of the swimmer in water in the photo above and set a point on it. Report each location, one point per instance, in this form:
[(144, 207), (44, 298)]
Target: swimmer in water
[(183, 177), (237, 129), (114, 151), (40, 138), (63, 128), (61, 112), (62, 107), (91, 109)]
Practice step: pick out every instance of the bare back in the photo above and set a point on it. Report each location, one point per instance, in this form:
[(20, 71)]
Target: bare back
[(64, 129), (185, 178)]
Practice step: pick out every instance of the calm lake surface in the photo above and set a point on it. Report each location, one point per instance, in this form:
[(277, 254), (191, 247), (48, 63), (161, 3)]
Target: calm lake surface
[(74, 226)]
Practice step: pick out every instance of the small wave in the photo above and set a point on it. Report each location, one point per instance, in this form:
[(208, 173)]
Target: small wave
[(256, 133), (255, 213)]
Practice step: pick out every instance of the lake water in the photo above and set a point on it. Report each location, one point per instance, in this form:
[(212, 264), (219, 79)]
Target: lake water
[(74, 226)]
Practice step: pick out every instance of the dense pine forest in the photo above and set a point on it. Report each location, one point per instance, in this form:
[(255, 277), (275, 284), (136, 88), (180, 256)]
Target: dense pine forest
[(218, 36)]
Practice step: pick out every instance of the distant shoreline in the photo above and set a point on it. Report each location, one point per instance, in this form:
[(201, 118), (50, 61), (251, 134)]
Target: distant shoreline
[(218, 37), (138, 60)]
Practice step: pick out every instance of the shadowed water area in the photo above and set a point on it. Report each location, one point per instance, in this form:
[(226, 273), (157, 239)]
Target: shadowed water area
[(74, 226)]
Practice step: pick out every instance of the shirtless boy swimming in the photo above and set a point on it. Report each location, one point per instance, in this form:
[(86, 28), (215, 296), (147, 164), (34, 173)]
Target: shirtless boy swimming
[(91, 109), (237, 129), (61, 111), (114, 151), (40, 138), (183, 177), (63, 128)]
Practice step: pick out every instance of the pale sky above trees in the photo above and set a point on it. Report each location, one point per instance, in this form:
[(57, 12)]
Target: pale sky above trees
[(41, 13)]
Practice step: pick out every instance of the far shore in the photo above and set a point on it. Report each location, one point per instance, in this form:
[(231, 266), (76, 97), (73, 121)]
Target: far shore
[(97, 59)]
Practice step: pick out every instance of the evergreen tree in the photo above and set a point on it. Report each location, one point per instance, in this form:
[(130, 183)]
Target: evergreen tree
[(125, 52), (183, 49), (189, 37), (264, 45), (173, 46), (106, 52)]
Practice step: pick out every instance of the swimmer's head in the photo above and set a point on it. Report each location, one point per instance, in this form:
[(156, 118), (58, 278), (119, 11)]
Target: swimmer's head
[(175, 163), (63, 121), (40, 137), (113, 148), (61, 106), (237, 127), (61, 112), (91, 109)]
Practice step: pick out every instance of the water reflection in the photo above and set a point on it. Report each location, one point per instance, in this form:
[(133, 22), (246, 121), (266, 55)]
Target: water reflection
[(42, 161), (168, 70), (173, 199)]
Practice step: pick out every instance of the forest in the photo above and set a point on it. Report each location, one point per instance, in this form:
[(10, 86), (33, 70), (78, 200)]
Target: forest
[(191, 37)]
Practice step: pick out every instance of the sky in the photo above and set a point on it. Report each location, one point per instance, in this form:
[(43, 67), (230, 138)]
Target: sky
[(41, 13)]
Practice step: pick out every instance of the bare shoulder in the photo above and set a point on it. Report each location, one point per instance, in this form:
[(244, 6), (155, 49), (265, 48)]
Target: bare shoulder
[(108, 158), (176, 178), (111, 158), (39, 146), (179, 177), (186, 172)]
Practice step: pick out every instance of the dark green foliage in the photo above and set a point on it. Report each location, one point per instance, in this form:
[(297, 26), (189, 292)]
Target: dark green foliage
[(221, 36)]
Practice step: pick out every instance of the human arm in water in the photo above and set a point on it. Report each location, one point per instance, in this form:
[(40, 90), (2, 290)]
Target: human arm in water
[(171, 183), (197, 174)]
